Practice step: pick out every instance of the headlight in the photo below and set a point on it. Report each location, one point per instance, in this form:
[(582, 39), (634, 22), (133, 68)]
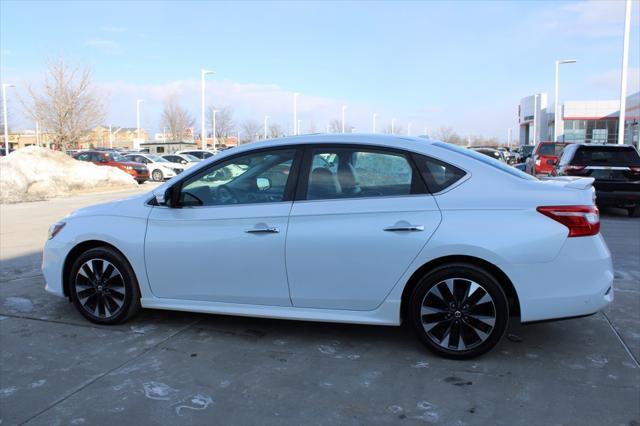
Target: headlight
[(54, 229)]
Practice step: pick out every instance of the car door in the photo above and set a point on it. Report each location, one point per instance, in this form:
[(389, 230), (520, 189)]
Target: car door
[(225, 241), (360, 218)]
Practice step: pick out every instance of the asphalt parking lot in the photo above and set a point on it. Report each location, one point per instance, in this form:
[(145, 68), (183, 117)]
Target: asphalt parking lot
[(179, 368)]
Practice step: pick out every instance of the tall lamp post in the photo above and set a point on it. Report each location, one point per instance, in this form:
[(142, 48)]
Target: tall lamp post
[(344, 107), (215, 140), (625, 64), (266, 118), (203, 130), (138, 102), (393, 125), (556, 122), (4, 118), (409, 129), (375, 115), (295, 113)]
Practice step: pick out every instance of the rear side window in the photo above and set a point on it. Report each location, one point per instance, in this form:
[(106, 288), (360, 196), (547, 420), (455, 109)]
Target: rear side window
[(551, 149), (437, 174), (606, 156)]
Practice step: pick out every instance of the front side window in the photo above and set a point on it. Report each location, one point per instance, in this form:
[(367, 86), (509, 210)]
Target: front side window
[(253, 178), (355, 173)]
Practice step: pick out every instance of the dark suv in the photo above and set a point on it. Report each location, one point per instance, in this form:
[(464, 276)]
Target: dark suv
[(615, 168)]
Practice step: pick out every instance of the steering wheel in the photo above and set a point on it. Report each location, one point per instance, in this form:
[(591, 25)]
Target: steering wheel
[(226, 195)]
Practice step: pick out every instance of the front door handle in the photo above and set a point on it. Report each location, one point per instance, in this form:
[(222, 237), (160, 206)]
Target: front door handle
[(413, 228), (266, 230)]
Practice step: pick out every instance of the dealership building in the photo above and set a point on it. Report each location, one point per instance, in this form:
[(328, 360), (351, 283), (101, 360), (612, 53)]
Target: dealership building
[(580, 121)]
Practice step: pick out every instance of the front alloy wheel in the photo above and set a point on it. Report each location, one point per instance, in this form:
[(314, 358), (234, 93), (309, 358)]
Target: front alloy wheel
[(459, 311), (157, 175), (103, 287)]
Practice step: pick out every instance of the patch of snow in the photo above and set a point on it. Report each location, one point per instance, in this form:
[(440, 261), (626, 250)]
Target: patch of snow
[(18, 304), (35, 173), (37, 384), (4, 392), (157, 390), (196, 402)]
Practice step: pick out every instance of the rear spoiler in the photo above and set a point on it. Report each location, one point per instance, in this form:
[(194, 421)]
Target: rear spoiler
[(570, 181)]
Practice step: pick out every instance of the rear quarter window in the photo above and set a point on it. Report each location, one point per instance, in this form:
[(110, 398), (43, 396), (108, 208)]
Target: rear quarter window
[(437, 174)]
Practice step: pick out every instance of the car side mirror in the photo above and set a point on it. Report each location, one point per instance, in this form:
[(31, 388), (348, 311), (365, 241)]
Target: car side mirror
[(263, 183), (165, 198)]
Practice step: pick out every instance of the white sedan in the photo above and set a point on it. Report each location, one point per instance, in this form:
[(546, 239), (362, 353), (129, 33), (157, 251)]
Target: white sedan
[(159, 168), (363, 229)]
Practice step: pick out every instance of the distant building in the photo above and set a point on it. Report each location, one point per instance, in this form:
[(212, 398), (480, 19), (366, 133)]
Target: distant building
[(581, 121), (162, 147), (121, 137)]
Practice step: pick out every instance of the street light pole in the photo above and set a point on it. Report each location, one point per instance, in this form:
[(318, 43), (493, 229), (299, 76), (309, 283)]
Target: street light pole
[(266, 118), (344, 107), (137, 143), (203, 130), (393, 125), (625, 64), (4, 113), (556, 121), (409, 129), (298, 127), (295, 113), (215, 140), (375, 115)]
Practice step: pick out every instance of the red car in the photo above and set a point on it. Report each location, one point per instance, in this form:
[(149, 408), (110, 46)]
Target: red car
[(545, 157), (111, 158)]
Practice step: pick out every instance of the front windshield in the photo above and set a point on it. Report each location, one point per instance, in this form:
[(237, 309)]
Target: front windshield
[(114, 156), (486, 160)]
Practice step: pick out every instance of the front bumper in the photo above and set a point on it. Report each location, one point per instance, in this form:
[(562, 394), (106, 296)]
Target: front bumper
[(53, 257), (578, 282)]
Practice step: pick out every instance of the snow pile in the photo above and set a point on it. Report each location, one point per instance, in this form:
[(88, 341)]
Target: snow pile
[(35, 173)]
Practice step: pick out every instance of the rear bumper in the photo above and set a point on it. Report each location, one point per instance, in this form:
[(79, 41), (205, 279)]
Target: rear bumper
[(617, 198), (578, 282)]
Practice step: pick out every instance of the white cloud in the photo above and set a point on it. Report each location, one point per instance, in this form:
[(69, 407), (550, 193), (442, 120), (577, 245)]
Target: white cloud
[(610, 80), (594, 18), (106, 46)]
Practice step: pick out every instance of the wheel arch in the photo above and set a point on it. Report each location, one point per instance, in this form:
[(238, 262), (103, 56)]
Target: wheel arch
[(503, 279), (81, 248)]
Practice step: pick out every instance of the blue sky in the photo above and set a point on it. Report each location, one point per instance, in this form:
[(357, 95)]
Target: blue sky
[(460, 64)]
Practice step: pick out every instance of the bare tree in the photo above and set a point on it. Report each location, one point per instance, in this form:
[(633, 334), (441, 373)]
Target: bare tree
[(447, 134), (275, 131), (397, 130), (250, 129), (335, 126), (224, 121), (176, 118), (68, 106)]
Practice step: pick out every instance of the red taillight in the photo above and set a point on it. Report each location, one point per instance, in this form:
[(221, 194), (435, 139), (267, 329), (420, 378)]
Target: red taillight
[(634, 169), (582, 221)]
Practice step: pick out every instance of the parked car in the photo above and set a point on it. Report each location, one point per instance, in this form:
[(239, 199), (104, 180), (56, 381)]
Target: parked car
[(510, 157), (391, 221), (184, 159), (523, 152), (615, 168), (202, 154), (111, 158), (159, 168), (491, 152), (544, 158)]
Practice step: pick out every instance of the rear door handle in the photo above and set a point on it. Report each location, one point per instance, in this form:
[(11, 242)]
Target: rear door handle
[(413, 228), (267, 230)]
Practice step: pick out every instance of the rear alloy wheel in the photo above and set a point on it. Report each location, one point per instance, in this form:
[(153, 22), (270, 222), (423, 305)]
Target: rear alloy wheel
[(103, 287), (459, 311), (157, 175)]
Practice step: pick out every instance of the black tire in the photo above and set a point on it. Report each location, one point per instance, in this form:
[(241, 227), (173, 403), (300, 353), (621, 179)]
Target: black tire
[(634, 211), (141, 181), (157, 175), (438, 317), (119, 296)]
